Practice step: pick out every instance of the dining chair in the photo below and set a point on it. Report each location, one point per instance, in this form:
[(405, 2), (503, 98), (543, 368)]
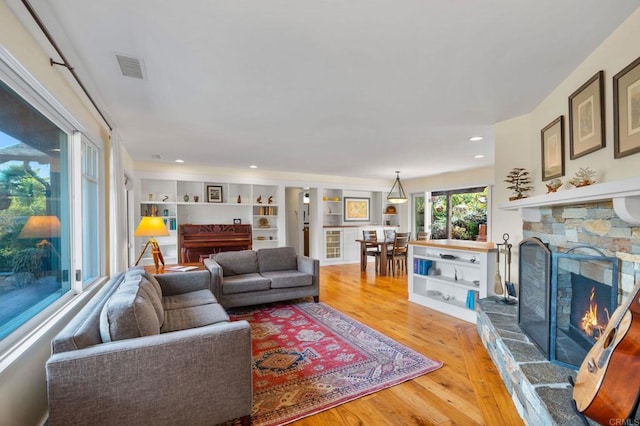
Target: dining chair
[(371, 249), (399, 251)]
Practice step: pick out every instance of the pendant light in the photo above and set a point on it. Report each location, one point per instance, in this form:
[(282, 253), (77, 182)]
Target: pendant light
[(400, 196)]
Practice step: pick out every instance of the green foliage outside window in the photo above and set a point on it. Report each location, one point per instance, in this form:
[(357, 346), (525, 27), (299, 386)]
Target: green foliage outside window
[(27, 198), (468, 211)]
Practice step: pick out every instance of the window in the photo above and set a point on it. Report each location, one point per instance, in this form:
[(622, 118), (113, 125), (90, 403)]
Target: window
[(90, 213), (34, 212), (418, 213), (43, 234), (458, 214)]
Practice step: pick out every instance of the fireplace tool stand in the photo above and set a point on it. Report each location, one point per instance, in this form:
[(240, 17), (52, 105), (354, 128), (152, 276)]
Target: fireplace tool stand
[(509, 287)]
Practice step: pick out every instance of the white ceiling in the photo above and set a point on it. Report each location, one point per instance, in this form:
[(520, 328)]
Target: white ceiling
[(348, 88)]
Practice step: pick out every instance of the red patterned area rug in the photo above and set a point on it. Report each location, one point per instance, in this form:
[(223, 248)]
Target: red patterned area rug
[(308, 357)]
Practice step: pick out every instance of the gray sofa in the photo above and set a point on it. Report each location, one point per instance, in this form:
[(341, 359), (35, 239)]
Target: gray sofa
[(247, 277), (147, 351)]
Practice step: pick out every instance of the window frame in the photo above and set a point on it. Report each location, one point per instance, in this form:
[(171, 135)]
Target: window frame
[(455, 190), (25, 85)]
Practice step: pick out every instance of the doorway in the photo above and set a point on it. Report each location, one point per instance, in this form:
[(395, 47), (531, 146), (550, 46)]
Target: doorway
[(298, 219)]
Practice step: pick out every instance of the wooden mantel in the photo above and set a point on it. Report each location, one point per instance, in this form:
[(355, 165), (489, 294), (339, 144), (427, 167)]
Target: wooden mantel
[(625, 195)]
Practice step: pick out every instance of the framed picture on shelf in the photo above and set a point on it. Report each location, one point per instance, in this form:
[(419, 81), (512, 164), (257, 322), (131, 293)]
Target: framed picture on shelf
[(356, 209), (586, 117), (214, 194), (626, 111), (553, 149)]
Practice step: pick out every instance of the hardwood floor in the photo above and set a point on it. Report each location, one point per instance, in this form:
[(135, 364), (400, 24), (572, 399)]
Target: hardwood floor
[(467, 390)]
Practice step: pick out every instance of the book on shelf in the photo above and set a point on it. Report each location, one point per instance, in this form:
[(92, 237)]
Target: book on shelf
[(472, 299), (181, 268), (421, 266)]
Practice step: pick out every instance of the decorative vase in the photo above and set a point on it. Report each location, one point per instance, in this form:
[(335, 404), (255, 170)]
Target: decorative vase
[(239, 200), (186, 198), (196, 198)]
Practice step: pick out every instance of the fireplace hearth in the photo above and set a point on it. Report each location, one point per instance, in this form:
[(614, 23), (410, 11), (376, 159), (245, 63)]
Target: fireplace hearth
[(566, 298)]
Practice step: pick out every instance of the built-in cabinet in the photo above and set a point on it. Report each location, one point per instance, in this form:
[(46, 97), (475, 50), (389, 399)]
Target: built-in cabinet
[(204, 202), (450, 275), (340, 235)]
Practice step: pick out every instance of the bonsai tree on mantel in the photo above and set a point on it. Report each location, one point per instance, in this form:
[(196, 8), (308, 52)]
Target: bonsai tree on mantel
[(519, 181)]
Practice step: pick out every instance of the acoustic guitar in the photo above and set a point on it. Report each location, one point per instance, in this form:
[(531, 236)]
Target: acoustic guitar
[(608, 382)]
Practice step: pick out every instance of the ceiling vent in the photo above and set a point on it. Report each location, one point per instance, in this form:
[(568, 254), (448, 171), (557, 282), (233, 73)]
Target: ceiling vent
[(130, 67)]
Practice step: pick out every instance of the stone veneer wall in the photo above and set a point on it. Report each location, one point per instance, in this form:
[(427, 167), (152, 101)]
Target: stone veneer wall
[(540, 390), (594, 224)]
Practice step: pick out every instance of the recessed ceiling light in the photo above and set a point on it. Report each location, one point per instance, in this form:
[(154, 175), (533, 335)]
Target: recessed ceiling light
[(178, 160), (475, 138), (478, 156), (253, 166)]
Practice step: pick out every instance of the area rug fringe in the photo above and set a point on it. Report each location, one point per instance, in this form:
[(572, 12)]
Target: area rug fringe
[(309, 357)]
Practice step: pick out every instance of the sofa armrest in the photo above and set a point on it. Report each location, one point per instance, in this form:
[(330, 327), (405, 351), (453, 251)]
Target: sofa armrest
[(173, 283), (215, 270), (310, 266), (195, 376)]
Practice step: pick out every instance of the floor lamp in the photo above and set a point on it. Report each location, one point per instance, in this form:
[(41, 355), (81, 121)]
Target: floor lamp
[(152, 226)]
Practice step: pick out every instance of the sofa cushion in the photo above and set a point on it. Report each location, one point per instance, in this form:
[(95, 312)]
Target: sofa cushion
[(277, 259), (237, 262), (187, 300), (128, 314), (195, 316), (149, 291), (286, 279), (139, 270), (245, 283)]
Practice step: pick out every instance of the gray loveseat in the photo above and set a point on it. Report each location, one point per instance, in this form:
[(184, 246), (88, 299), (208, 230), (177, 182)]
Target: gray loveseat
[(248, 277), (147, 351)]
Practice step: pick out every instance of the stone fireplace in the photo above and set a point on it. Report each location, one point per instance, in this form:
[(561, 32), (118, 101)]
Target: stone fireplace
[(566, 298), (603, 216)]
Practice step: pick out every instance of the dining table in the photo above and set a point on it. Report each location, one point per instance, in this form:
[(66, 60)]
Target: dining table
[(383, 248)]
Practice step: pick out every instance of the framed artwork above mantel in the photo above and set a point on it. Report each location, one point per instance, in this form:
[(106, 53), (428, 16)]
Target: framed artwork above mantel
[(586, 118), (553, 149), (626, 110)]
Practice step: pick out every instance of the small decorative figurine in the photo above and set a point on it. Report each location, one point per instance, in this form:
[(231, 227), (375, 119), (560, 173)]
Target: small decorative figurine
[(520, 181), (270, 200), (196, 198), (165, 198), (259, 200), (583, 177), (553, 185), (186, 198)]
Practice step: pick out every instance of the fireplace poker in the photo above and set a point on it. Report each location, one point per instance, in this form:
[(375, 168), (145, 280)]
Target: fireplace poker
[(497, 284), (509, 288)]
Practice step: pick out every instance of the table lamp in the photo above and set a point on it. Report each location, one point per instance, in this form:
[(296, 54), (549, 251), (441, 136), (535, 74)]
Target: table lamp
[(42, 227), (152, 226)]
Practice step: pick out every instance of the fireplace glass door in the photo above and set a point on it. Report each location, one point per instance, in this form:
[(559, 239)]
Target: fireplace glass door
[(584, 294)]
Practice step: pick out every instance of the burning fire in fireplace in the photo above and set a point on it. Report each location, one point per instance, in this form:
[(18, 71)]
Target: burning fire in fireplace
[(590, 324)]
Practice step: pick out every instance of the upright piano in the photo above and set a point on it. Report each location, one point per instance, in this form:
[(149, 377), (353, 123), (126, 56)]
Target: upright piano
[(199, 241)]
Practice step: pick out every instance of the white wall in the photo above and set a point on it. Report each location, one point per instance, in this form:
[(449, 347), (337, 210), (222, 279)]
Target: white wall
[(23, 397), (518, 139)]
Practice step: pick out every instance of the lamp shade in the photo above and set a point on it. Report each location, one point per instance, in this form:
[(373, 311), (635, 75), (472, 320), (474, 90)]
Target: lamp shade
[(41, 227), (151, 226), (397, 194)]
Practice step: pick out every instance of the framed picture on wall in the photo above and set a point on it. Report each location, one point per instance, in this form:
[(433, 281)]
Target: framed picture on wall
[(553, 149), (586, 117), (356, 209), (214, 194), (626, 111)]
